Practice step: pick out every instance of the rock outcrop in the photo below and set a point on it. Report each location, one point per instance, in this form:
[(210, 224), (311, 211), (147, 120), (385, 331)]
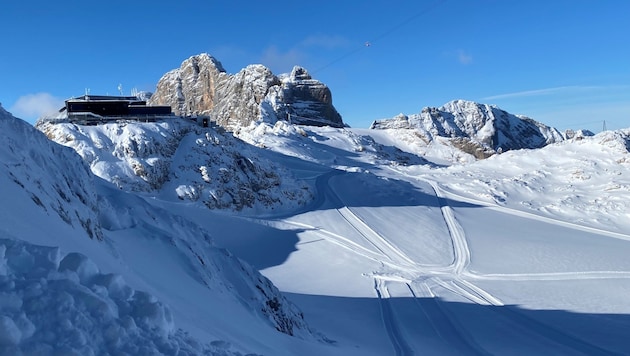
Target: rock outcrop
[(306, 101), (479, 129), (190, 89), (202, 87)]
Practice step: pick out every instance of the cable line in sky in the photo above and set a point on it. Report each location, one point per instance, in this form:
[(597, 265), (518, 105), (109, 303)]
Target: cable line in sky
[(383, 35)]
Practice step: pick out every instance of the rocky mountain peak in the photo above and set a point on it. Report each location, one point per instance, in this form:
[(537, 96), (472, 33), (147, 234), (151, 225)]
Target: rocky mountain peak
[(299, 73), (307, 101), (479, 129), (190, 89), (200, 86)]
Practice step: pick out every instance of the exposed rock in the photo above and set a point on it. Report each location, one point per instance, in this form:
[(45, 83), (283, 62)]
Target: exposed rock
[(478, 129), (307, 101), (190, 89), (240, 96), (577, 134), (201, 87)]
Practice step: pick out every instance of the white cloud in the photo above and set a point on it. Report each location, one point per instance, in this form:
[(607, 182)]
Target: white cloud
[(31, 106), (281, 62)]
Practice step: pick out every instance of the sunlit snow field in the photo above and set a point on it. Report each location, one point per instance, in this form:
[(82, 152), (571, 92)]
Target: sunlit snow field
[(522, 253)]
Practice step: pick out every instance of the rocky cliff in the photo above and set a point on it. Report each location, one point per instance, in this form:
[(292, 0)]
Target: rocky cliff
[(200, 86), (478, 129)]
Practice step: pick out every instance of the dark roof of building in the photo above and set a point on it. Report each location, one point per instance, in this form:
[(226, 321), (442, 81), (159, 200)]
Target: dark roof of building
[(104, 98)]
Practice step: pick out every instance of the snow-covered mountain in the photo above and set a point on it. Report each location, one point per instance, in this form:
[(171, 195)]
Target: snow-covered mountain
[(480, 130), (200, 86), (178, 160), (87, 268), (387, 252), (294, 234)]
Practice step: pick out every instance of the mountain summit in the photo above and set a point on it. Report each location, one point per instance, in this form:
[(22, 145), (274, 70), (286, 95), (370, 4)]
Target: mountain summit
[(200, 86), (478, 129)]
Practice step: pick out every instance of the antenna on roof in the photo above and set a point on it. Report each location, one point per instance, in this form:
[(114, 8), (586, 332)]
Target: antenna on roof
[(120, 89)]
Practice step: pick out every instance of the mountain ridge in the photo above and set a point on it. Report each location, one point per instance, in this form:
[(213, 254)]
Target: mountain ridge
[(200, 86), (479, 129)]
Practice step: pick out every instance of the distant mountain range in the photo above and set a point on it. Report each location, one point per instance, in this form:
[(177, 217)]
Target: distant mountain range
[(200, 86)]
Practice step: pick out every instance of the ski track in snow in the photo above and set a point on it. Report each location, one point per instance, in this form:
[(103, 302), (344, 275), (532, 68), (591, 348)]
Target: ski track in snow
[(341, 241), (377, 240), (401, 347), (403, 263), (454, 279), (424, 282), (456, 232), (448, 330), (531, 215)]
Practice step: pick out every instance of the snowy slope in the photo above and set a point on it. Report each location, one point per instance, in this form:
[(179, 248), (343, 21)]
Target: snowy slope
[(584, 180), (395, 254), (102, 271), (177, 160), (403, 258)]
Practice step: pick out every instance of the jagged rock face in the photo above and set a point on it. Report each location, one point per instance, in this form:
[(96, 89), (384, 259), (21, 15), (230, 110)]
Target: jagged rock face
[(201, 87), (481, 129), (190, 89), (308, 101), (241, 96)]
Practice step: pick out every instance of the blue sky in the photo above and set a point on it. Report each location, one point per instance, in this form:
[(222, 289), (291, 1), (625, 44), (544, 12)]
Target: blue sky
[(565, 63)]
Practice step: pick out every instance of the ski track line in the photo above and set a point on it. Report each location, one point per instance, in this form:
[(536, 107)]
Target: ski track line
[(461, 250), (343, 242), (533, 216), (551, 276), (453, 334), (456, 289), (380, 239), (393, 332), (348, 220), (548, 332), (489, 298)]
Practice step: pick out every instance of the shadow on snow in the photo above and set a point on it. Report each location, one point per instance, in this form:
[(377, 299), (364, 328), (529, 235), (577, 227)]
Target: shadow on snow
[(434, 326)]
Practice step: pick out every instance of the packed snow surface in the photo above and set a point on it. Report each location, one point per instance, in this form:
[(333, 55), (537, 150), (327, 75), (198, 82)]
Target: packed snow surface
[(393, 253)]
